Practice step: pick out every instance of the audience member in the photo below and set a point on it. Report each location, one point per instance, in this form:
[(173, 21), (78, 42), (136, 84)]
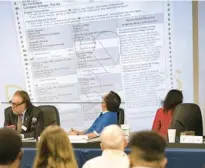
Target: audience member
[(21, 115), (110, 107), (10, 148), (112, 143), (147, 150), (54, 150), (163, 115)]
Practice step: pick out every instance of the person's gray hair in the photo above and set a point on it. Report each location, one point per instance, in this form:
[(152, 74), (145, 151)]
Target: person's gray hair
[(112, 137)]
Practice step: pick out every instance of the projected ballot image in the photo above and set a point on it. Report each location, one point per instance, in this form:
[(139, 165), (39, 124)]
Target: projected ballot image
[(69, 54)]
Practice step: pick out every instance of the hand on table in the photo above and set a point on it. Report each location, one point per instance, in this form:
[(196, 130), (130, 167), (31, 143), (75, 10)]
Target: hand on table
[(73, 132)]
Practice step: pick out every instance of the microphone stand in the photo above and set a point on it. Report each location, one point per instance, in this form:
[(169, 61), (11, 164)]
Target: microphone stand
[(34, 128)]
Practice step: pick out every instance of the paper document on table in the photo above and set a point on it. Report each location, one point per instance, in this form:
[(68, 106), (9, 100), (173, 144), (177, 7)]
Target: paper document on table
[(78, 138), (97, 139), (28, 140)]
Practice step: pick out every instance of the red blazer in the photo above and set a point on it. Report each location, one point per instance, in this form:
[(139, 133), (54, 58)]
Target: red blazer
[(162, 122)]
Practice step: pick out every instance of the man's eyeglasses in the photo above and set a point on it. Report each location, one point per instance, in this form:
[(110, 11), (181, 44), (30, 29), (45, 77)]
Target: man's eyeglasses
[(16, 104)]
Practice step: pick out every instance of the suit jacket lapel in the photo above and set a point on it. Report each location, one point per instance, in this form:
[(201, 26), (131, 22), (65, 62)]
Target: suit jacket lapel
[(28, 117), (15, 117)]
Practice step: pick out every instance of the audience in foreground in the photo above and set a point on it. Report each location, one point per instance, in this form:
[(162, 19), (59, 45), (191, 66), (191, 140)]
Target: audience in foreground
[(10, 148), (147, 150), (164, 115), (112, 143), (54, 150)]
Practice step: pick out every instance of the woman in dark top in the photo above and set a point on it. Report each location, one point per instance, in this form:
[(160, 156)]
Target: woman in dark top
[(163, 115)]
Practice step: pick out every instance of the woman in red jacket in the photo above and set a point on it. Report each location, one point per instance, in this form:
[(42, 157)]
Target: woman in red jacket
[(163, 115)]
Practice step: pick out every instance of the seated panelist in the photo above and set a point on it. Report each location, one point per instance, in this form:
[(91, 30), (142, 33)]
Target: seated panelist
[(110, 107), (163, 117), (24, 117)]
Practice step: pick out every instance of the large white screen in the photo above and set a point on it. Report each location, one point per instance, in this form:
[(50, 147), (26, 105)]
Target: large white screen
[(71, 54)]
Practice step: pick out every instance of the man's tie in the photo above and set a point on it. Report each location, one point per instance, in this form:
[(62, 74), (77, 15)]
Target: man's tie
[(19, 123)]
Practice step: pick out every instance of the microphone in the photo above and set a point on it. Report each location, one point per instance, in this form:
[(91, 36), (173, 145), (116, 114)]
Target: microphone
[(33, 122)]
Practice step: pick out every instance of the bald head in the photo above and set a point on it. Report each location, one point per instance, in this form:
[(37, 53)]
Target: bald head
[(112, 137)]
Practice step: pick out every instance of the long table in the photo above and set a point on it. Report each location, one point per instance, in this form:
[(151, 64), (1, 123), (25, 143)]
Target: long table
[(179, 155)]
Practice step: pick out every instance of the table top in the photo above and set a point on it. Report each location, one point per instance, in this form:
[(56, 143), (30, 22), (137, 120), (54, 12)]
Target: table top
[(97, 145)]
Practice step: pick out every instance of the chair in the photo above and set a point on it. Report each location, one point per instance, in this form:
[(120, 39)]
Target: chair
[(187, 117), (121, 116), (51, 115)]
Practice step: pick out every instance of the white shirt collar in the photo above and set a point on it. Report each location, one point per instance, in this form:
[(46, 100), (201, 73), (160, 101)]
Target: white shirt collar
[(24, 112), (141, 167), (104, 112), (112, 152)]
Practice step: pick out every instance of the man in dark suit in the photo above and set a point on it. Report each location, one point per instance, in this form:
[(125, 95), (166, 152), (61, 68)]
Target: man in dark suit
[(24, 117)]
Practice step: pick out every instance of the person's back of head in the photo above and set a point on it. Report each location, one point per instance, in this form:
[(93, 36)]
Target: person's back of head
[(173, 98), (10, 148), (54, 149), (116, 96), (148, 150), (112, 137), (113, 101)]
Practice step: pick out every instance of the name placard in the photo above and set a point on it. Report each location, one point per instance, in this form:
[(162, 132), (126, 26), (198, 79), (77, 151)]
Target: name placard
[(191, 139), (78, 138)]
